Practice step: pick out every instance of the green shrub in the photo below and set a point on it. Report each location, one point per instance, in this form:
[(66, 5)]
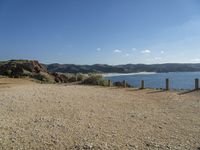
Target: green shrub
[(26, 73), (103, 82), (8, 73), (40, 77), (92, 80), (121, 84), (81, 77), (95, 79), (43, 77), (72, 79)]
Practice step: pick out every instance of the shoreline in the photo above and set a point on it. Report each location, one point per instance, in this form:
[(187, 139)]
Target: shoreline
[(126, 74)]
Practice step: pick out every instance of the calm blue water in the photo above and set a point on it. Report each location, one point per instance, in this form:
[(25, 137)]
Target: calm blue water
[(178, 80)]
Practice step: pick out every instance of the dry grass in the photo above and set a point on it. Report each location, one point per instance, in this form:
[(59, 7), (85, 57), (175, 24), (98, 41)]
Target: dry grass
[(41, 116)]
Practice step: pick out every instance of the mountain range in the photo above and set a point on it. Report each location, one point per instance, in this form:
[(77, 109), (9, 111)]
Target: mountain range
[(128, 68), (18, 67)]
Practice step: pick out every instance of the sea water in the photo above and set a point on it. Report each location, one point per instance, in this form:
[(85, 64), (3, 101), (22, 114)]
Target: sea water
[(178, 80)]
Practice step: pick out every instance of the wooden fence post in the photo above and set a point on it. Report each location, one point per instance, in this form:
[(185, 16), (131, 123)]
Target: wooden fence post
[(142, 84), (167, 84), (76, 77), (109, 83), (124, 83), (196, 84)]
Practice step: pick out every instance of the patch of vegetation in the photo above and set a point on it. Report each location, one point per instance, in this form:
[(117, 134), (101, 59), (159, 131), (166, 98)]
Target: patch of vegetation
[(3, 62), (26, 73), (20, 61), (81, 77), (8, 73), (95, 79), (72, 77), (43, 77), (25, 68), (103, 82), (121, 84)]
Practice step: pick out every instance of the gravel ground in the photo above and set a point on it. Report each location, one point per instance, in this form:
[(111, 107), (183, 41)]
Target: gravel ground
[(42, 116)]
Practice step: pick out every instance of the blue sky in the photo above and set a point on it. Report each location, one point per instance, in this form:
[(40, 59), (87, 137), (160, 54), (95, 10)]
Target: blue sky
[(100, 31)]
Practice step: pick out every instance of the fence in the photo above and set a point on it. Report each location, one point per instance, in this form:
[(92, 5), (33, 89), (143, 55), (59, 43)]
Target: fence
[(167, 84)]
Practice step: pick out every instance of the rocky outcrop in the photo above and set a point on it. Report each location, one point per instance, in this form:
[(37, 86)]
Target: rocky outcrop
[(18, 68), (30, 68), (35, 66), (60, 78)]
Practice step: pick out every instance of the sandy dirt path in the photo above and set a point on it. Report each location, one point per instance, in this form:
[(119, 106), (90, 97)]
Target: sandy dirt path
[(42, 116)]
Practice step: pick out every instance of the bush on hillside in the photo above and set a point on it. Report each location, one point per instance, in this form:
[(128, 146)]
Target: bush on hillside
[(103, 82), (44, 77), (72, 78), (75, 77), (81, 77), (95, 79), (121, 84), (8, 73)]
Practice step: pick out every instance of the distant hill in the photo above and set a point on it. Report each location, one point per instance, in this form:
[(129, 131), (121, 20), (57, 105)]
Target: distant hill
[(71, 68), (128, 68), (51, 72)]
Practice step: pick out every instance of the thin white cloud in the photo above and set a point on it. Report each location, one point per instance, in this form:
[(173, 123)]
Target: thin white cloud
[(158, 58), (162, 52), (146, 51), (195, 60), (98, 49), (117, 51), (127, 55), (134, 49)]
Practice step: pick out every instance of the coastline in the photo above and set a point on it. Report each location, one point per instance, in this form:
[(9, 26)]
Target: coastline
[(126, 74)]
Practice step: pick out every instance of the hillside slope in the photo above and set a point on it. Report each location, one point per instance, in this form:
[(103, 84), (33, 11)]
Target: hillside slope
[(32, 68), (29, 68), (71, 68), (128, 68)]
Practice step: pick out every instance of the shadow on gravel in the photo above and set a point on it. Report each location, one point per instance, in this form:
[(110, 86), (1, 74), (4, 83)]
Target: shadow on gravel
[(187, 92), (3, 83), (156, 92), (72, 83), (131, 89)]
